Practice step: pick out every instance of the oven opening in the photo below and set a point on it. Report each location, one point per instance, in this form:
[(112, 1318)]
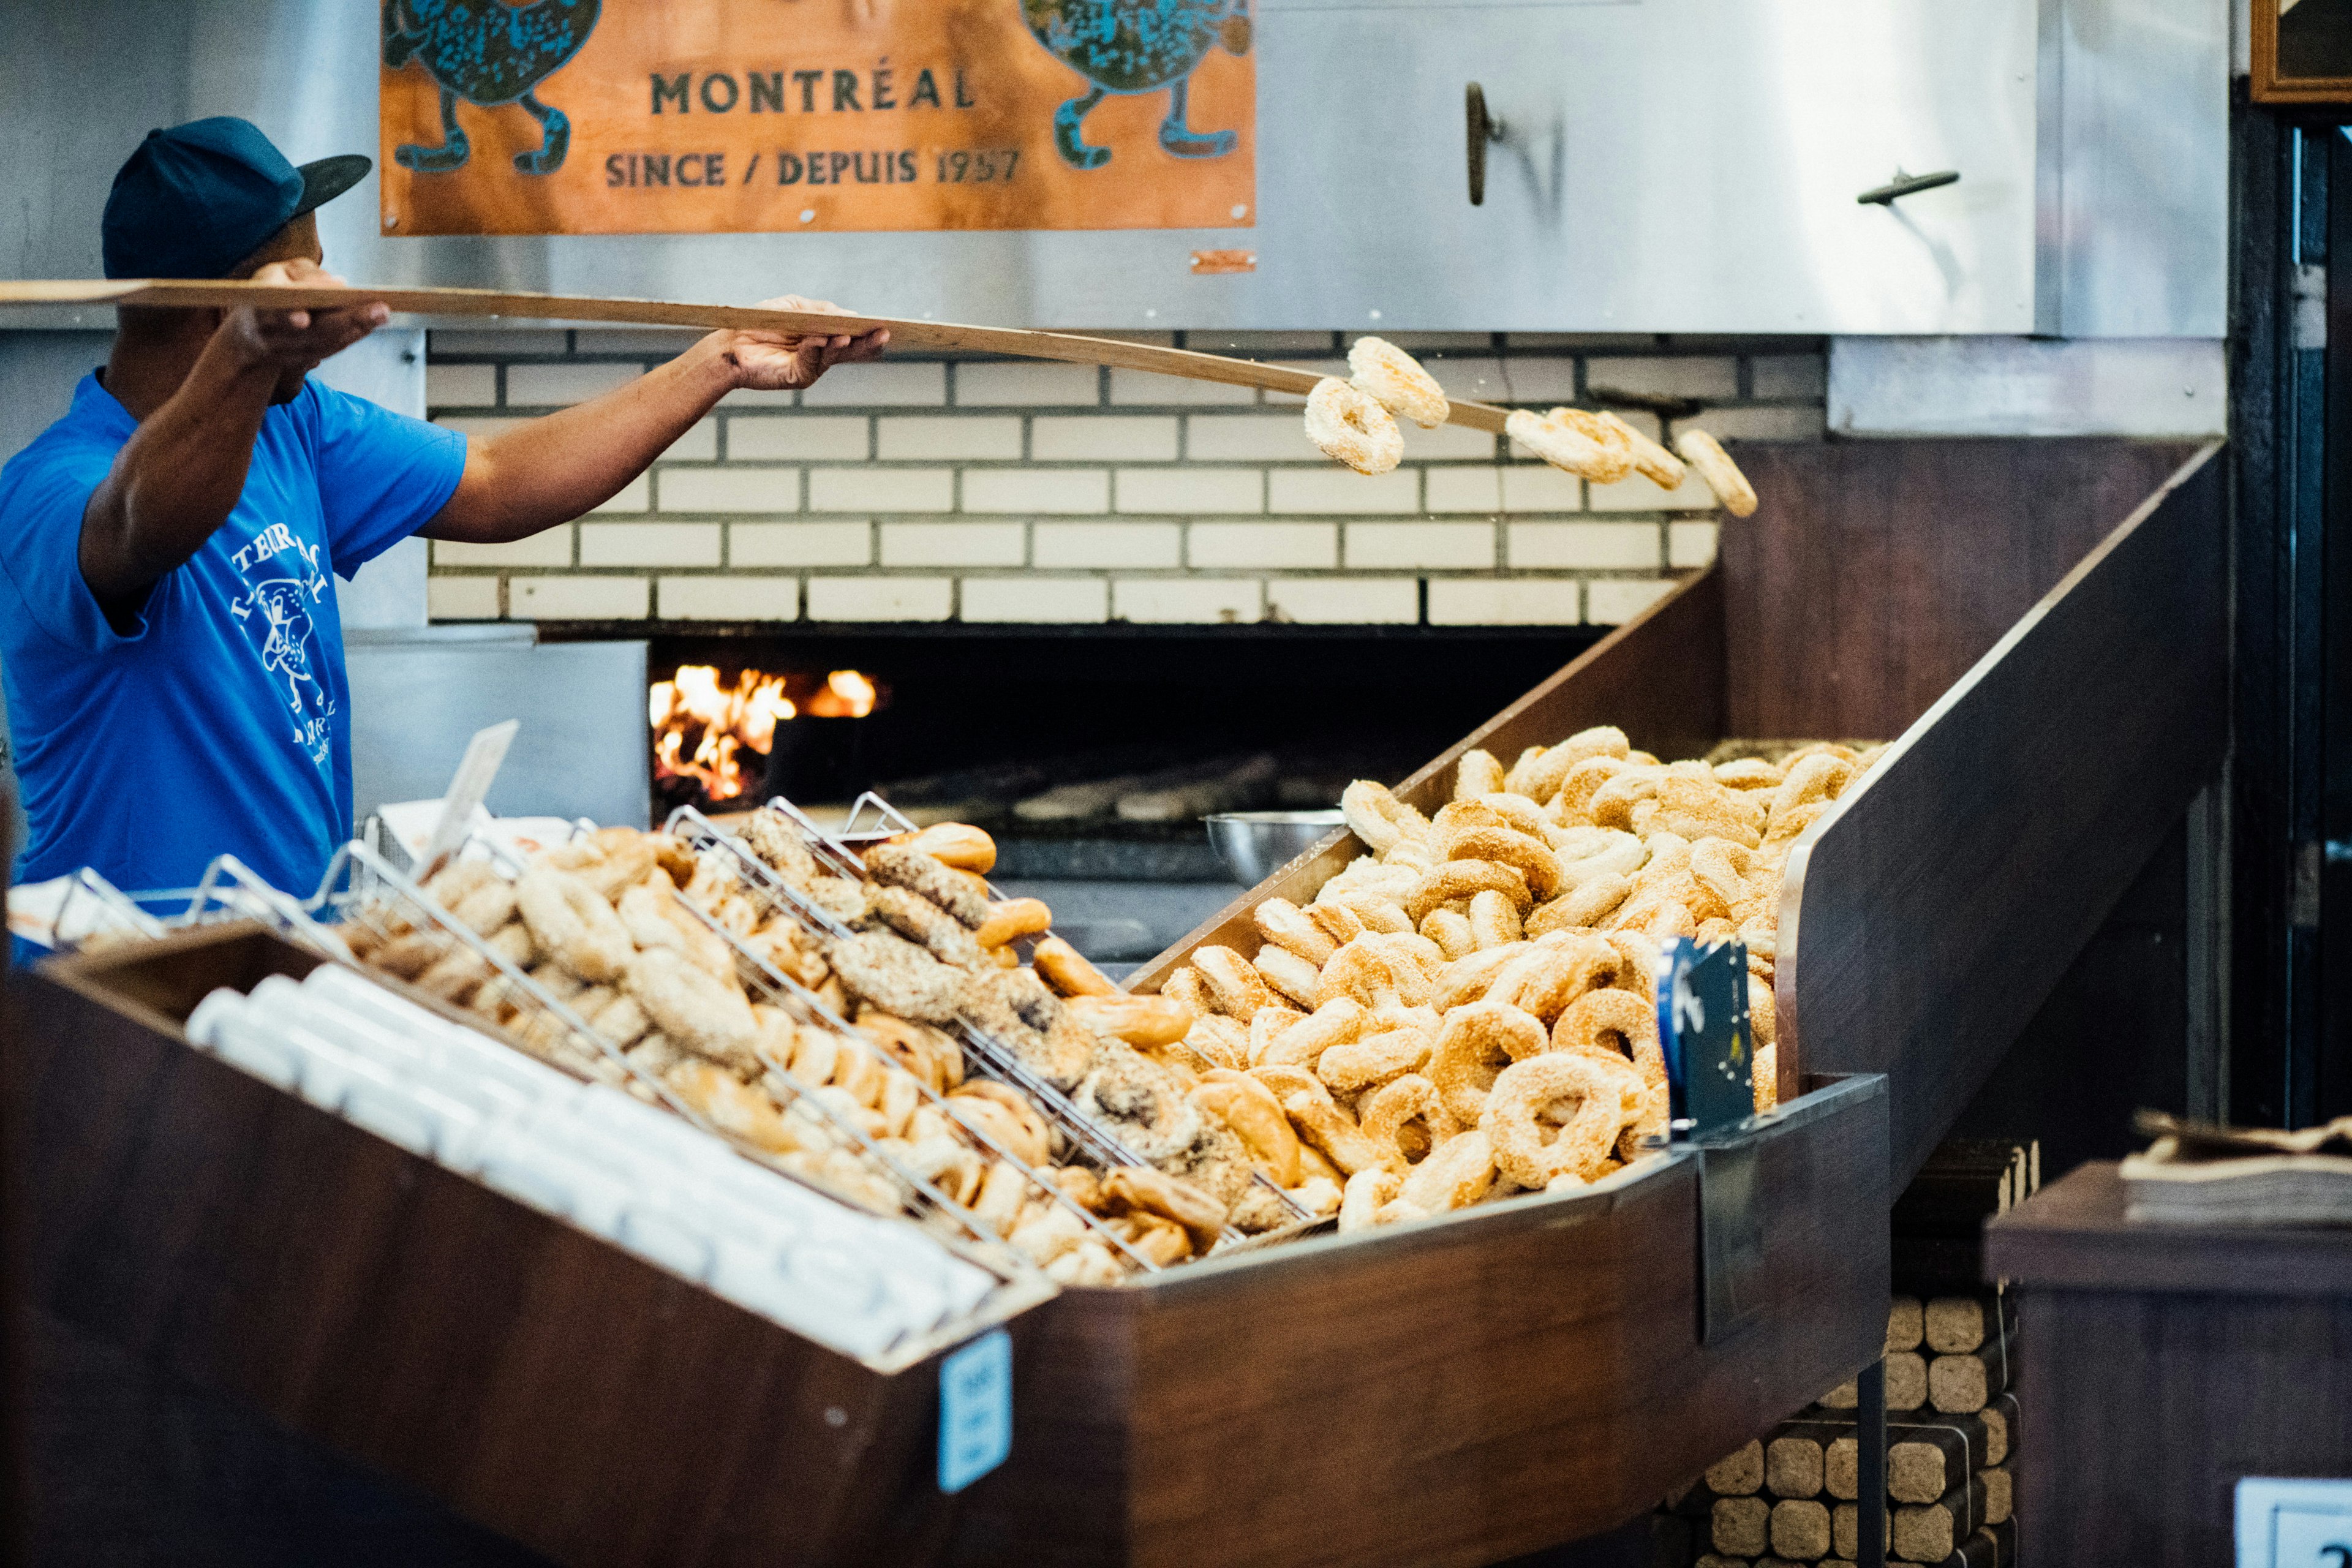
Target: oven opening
[(1085, 754)]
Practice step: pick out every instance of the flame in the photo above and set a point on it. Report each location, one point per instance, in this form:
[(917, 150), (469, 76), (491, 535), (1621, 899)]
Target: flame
[(725, 720), (703, 728), (847, 695)]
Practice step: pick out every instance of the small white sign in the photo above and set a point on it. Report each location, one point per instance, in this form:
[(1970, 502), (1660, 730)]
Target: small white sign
[(2293, 1523), (480, 765), (975, 1410)]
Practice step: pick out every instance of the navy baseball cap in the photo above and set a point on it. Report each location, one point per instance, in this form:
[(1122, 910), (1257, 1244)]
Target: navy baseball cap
[(197, 199)]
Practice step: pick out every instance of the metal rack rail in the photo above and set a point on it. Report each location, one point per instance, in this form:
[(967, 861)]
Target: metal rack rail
[(998, 1060), (363, 891)]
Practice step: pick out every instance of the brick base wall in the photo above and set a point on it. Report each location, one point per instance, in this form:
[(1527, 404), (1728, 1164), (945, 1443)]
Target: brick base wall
[(942, 489)]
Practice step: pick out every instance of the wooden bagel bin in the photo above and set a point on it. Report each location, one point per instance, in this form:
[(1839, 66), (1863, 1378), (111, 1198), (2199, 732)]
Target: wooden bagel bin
[(2037, 625), (531, 1377)]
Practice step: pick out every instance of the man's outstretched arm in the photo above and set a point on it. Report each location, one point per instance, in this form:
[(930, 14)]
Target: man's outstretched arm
[(556, 467)]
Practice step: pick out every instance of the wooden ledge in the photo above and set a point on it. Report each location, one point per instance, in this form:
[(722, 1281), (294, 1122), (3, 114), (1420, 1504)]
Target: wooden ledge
[(2074, 1237)]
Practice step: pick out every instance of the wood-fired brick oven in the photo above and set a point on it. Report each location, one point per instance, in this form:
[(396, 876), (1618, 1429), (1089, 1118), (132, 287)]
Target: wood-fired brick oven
[(972, 725)]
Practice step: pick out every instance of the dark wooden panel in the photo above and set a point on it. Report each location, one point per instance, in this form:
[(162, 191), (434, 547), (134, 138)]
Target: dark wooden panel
[(540, 1380), (2146, 1409), (1443, 1393), (2074, 1237), (2165, 1363), (1922, 929), (2111, 1036), (1659, 676), (132, 1468), (1874, 574)]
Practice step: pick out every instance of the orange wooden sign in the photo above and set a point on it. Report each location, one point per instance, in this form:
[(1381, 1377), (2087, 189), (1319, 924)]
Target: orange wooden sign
[(734, 116)]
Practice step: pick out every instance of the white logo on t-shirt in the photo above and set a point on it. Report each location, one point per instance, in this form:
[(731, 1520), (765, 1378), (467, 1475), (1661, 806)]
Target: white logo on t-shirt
[(284, 605)]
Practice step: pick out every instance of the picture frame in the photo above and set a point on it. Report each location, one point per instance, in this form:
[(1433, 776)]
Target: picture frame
[(2301, 51)]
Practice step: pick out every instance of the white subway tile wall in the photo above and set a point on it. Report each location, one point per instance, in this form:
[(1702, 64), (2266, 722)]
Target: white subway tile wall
[(1035, 600), (937, 489), (736, 597), (649, 544), (811, 544)]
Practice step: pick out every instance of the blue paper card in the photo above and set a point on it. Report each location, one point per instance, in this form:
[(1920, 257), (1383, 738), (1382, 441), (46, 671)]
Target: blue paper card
[(975, 1410), (1704, 1031)]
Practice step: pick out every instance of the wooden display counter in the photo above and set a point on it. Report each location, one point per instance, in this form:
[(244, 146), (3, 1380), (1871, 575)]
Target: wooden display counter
[(536, 1379), (2040, 622), (2166, 1361), (1458, 1389), (2039, 627), (1262, 1408)]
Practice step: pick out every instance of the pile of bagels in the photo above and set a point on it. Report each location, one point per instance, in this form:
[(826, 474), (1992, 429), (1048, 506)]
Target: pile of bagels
[(930, 945), (1469, 1010), (1354, 422), (602, 925)]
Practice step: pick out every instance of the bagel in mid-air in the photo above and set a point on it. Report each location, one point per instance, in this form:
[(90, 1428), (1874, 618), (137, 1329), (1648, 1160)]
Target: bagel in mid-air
[(1352, 426), (1385, 371)]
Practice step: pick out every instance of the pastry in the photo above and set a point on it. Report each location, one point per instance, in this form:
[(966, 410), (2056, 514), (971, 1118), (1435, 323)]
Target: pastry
[(1365, 1194), (695, 1010), (1287, 926), (1353, 427), (897, 976), (1377, 818), (1652, 462), (1407, 1116), (901, 866), (918, 919), (1477, 773), (1013, 919), (1476, 1042), (1235, 986), (1702, 452), (1572, 440), (957, 845), (1528, 1145), (1397, 382), (573, 924), (1066, 969), (1138, 1020)]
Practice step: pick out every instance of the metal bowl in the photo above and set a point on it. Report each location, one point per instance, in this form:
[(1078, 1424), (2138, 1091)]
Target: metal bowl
[(1256, 844)]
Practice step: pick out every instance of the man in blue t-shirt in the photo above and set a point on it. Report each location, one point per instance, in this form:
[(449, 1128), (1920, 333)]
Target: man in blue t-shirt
[(168, 631)]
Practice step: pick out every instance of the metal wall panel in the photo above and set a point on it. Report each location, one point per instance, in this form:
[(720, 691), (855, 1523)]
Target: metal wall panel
[(1683, 165), (2135, 220), (584, 750), (2170, 388)]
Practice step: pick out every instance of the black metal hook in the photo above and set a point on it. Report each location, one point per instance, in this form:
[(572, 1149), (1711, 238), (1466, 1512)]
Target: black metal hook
[(1482, 129), (1905, 185)]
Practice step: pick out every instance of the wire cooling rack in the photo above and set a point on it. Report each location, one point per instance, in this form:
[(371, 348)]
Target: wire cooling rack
[(777, 989), (871, 818), (989, 1055), (365, 894)]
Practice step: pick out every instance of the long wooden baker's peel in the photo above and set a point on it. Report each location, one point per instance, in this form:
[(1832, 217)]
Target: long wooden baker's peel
[(1067, 347)]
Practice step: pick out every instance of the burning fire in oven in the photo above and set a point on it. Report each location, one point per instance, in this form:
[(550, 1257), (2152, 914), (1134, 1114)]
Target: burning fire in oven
[(702, 727)]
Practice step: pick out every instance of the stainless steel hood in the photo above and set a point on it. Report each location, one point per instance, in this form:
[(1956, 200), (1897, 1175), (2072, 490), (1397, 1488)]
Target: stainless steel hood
[(1669, 165)]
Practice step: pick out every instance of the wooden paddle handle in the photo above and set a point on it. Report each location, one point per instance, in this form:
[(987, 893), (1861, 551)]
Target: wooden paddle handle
[(1068, 347)]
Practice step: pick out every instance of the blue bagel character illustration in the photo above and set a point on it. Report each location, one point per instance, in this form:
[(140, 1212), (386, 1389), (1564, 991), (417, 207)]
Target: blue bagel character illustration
[(1136, 46), (489, 54)]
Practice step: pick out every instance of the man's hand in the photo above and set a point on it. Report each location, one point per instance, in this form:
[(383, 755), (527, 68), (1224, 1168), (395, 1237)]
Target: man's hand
[(297, 341), (780, 361)]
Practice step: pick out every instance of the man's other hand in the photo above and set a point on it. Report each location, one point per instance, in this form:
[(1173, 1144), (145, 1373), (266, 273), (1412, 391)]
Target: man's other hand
[(298, 340), (783, 361)]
